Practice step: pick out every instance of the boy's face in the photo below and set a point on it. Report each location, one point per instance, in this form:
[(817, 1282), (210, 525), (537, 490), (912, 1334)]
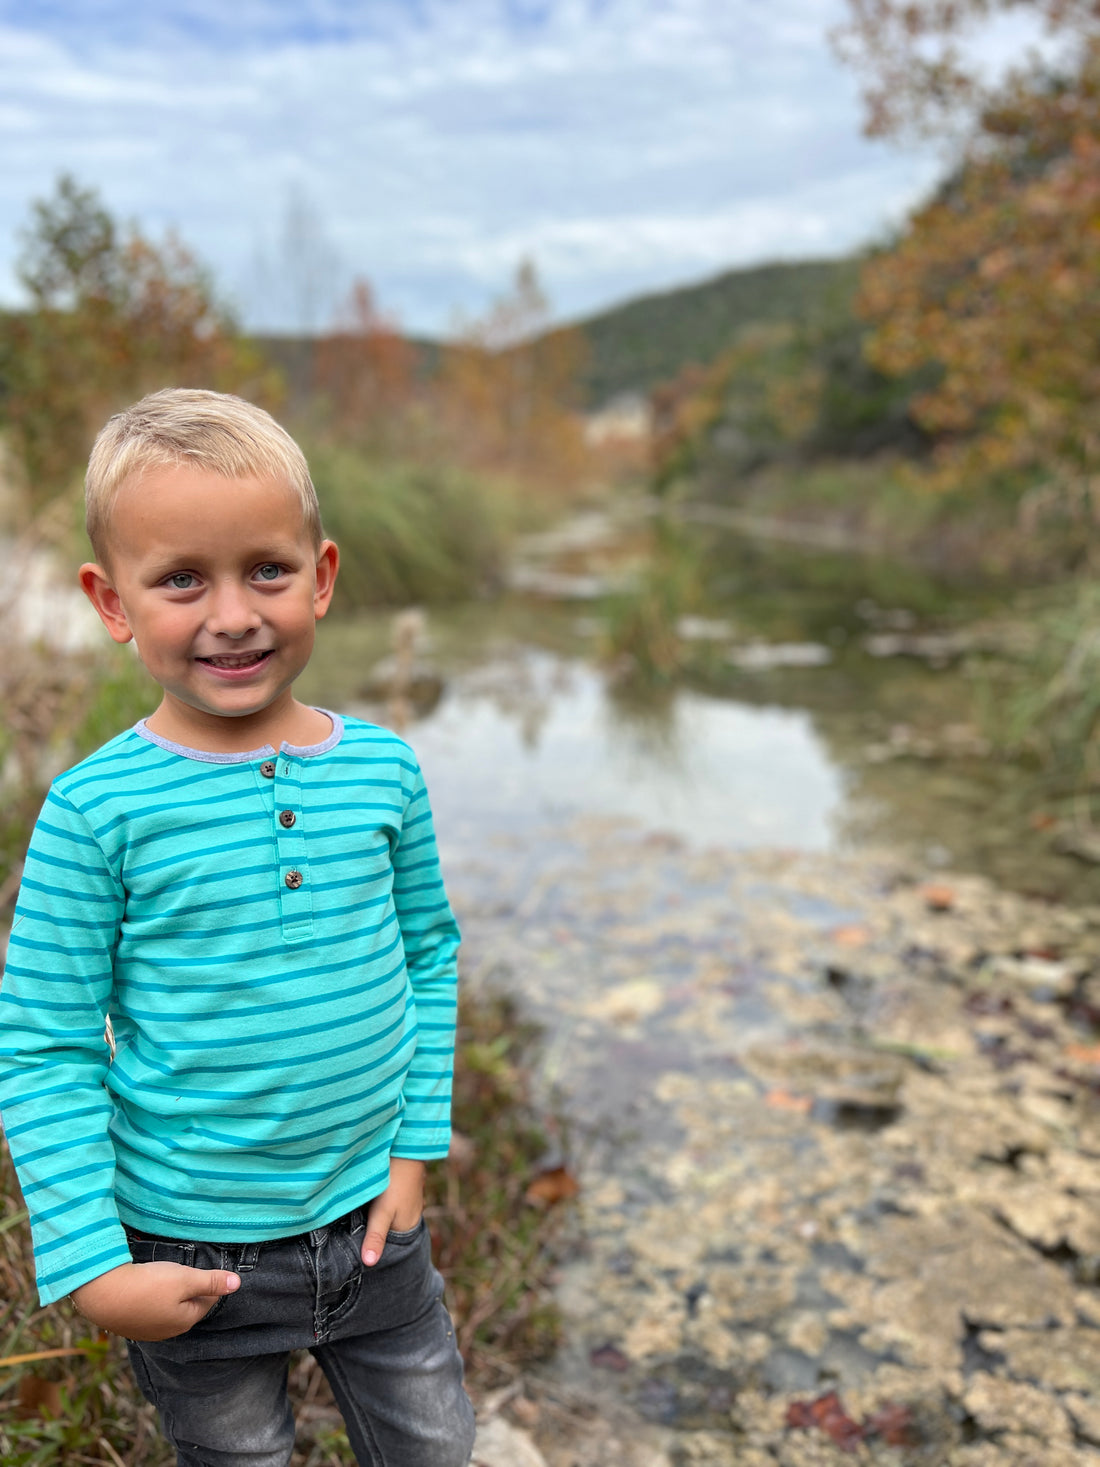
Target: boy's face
[(218, 584)]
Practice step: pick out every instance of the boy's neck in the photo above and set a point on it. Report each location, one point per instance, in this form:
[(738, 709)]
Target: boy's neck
[(284, 722)]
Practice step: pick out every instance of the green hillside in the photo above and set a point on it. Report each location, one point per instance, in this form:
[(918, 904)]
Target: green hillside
[(634, 346)]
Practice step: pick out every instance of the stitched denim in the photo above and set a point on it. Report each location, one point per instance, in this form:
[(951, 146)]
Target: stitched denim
[(381, 1335)]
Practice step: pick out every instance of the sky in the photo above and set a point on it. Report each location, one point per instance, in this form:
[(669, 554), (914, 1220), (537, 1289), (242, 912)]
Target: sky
[(429, 145)]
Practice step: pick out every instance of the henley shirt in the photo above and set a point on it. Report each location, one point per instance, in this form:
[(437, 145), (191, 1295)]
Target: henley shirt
[(269, 936)]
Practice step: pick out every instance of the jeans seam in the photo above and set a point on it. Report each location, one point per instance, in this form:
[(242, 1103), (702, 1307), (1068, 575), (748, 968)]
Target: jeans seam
[(362, 1420)]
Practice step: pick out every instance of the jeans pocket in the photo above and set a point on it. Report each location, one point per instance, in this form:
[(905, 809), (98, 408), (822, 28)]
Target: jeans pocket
[(401, 1236), (147, 1248), (144, 1249)]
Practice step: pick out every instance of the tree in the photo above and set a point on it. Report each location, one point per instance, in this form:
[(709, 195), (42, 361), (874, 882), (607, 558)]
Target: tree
[(993, 284), (363, 370), (509, 387), (111, 316), (918, 58)]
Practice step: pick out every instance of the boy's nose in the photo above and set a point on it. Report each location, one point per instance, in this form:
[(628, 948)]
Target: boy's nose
[(232, 614)]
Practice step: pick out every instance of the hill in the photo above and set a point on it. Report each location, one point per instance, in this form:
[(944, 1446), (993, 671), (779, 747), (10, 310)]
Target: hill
[(649, 340), (632, 347)]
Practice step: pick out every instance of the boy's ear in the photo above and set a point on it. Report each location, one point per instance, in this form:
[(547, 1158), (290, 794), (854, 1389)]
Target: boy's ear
[(96, 585), (328, 562)]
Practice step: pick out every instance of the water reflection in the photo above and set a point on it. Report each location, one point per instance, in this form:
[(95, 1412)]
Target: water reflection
[(533, 734)]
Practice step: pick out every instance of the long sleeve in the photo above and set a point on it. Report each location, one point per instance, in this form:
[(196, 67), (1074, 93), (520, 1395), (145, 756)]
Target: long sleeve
[(54, 1003), (431, 938)]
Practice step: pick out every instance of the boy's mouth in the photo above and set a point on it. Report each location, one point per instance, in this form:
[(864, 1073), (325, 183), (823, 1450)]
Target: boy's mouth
[(235, 661)]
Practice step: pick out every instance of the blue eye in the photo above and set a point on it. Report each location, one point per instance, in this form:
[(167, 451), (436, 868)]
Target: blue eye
[(181, 581), (269, 572)]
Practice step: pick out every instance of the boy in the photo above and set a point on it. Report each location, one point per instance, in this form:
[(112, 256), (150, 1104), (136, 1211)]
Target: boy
[(248, 890)]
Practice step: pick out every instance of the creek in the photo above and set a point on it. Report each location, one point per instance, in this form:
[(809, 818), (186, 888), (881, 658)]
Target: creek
[(819, 1040), (857, 751)]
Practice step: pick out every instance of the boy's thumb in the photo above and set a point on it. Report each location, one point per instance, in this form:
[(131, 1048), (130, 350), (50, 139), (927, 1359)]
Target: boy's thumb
[(373, 1244), (216, 1281)]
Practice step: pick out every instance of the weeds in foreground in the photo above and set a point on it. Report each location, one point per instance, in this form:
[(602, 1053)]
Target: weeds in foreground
[(73, 1401)]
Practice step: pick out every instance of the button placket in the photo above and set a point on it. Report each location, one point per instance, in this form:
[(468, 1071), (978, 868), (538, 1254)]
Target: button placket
[(295, 898)]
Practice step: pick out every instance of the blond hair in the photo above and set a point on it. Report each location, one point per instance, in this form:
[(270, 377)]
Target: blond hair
[(185, 426)]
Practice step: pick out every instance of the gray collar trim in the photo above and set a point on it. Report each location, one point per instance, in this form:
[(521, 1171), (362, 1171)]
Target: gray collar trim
[(302, 751)]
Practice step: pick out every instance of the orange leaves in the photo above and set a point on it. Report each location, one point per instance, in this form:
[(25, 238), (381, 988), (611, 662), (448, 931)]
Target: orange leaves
[(112, 317), (851, 935), (938, 897), (994, 284), (506, 390), (892, 1423), (785, 1100), (555, 1185), (364, 371), (918, 78)]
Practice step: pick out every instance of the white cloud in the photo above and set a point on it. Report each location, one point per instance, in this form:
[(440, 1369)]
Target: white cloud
[(623, 145)]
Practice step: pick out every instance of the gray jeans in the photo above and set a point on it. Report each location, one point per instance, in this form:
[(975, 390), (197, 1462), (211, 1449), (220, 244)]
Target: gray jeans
[(381, 1335)]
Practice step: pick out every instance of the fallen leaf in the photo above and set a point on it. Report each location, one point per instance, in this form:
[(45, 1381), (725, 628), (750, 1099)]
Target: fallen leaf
[(784, 1100), (555, 1185), (851, 936), (608, 1357), (828, 1415), (38, 1397), (893, 1423), (938, 898)]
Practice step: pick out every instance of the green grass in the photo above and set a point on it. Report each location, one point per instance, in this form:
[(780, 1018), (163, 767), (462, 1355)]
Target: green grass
[(413, 533)]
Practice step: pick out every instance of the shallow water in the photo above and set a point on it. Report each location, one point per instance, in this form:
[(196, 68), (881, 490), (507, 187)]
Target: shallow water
[(708, 770), (531, 725)]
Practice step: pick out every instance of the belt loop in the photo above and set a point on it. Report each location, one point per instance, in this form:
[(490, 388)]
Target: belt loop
[(318, 1236), (250, 1254)]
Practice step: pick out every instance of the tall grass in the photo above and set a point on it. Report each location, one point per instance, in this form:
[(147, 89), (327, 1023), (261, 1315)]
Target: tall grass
[(1054, 714), (641, 636), (412, 532)]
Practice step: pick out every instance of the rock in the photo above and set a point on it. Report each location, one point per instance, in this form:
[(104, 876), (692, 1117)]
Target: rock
[(418, 682), (937, 648), (1035, 974), (499, 1444), (1050, 1219), (1061, 1360), (1008, 1405), (1084, 844), (763, 656), (703, 629)]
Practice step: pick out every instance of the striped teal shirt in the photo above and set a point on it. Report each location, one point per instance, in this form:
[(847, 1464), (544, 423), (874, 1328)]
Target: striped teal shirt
[(271, 941)]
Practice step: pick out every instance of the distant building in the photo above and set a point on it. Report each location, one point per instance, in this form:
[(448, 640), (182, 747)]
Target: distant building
[(625, 419)]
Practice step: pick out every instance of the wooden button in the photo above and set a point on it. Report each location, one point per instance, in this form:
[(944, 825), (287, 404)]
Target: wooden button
[(293, 879), (287, 818), (267, 769)]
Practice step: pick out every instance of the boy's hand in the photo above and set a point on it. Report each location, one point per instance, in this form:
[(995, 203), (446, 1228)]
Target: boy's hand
[(398, 1208), (152, 1301)]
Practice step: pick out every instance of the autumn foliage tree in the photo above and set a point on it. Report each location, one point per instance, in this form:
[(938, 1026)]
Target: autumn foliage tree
[(364, 372), (508, 388), (111, 316), (995, 280)]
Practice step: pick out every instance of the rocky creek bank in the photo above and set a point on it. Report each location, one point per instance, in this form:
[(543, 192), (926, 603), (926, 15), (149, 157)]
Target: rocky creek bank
[(837, 1130)]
